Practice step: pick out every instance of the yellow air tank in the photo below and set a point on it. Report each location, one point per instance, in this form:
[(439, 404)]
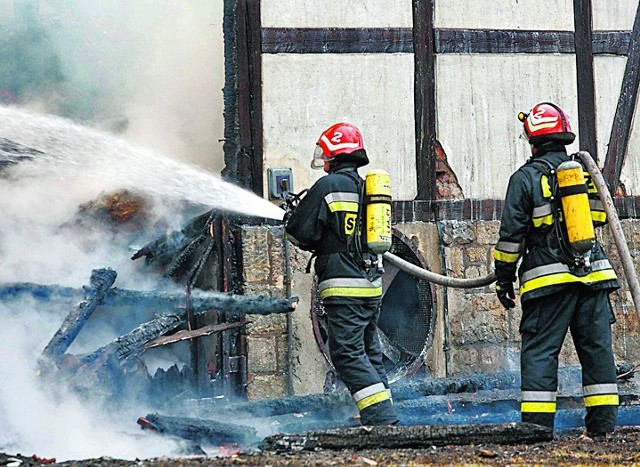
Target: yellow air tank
[(572, 190), (378, 202)]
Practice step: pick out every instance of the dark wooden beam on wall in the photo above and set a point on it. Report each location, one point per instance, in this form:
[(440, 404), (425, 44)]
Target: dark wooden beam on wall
[(254, 38), (623, 119), (453, 41), (245, 165), (459, 41), (424, 98), (582, 12), (337, 40)]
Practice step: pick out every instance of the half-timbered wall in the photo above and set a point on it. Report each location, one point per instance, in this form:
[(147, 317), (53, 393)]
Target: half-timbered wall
[(412, 74)]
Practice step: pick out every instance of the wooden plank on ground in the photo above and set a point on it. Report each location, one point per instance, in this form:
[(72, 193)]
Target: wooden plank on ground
[(392, 437)]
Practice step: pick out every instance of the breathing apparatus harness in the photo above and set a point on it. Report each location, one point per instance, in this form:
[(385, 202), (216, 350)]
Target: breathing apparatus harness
[(374, 205), (572, 223)]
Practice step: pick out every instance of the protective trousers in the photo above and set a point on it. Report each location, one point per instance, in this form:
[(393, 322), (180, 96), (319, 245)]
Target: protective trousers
[(357, 356), (545, 321)]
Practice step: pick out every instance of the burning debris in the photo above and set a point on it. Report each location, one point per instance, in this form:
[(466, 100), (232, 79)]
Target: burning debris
[(117, 209)]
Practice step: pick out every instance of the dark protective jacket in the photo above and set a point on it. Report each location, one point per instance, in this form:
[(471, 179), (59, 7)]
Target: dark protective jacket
[(527, 231), (325, 222)]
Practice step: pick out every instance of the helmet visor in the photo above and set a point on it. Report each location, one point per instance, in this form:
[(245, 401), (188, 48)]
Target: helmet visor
[(318, 158)]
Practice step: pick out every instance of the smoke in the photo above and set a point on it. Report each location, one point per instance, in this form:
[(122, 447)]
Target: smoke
[(151, 71), (49, 421)]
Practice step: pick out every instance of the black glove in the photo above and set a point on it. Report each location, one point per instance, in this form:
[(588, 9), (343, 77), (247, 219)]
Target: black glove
[(506, 294)]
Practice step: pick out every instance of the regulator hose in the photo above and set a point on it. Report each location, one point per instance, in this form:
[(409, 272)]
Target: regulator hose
[(614, 226), (439, 279)]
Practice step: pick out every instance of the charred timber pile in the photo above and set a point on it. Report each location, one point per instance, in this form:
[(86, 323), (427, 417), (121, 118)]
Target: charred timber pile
[(100, 282), (337, 400), (396, 437), (476, 400), (109, 367)]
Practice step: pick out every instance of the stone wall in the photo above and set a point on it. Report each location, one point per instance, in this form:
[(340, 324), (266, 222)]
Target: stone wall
[(482, 336), (266, 336), (473, 332)]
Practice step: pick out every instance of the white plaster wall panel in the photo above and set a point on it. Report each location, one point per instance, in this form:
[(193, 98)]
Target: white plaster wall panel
[(336, 13), (609, 72), (505, 14), (478, 99), (305, 94), (614, 15)]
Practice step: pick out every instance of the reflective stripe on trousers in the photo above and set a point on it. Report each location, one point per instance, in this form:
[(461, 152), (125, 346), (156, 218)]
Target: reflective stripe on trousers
[(371, 395), (601, 394), (538, 402)]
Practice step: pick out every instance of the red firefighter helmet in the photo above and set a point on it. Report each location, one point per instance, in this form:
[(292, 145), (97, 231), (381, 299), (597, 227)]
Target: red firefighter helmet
[(342, 141), (547, 122)]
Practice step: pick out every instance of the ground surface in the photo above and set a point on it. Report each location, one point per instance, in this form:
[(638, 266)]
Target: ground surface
[(622, 448)]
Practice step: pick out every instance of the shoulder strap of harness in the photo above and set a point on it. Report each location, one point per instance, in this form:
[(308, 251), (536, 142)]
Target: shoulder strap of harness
[(355, 238)]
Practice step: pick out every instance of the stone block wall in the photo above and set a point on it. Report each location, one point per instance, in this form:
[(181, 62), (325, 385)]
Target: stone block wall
[(266, 336), (473, 332), (482, 335)]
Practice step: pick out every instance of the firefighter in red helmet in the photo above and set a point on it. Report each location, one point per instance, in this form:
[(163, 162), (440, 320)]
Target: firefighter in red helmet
[(560, 288), (327, 222)]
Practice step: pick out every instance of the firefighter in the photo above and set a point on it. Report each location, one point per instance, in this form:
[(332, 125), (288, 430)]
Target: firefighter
[(327, 221), (560, 288)]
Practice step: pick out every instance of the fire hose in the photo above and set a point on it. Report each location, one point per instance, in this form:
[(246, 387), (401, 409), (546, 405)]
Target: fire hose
[(439, 279), (614, 225)]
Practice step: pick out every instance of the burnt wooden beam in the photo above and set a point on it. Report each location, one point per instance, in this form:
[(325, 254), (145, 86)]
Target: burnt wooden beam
[(12, 153), (160, 301), (623, 119), (244, 154), (424, 98), (243, 95), (210, 432), (249, 96), (100, 282), (393, 437), (133, 343), (461, 41), (611, 42), (582, 13), (200, 332), (203, 301), (255, 99)]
